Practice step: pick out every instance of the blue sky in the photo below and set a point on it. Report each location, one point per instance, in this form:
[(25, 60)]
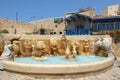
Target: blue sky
[(29, 10)]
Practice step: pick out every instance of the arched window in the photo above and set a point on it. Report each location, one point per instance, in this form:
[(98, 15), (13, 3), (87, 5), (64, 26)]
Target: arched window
[(42, 31)]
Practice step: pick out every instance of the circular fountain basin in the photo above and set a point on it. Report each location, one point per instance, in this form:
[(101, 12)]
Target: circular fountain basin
[(58, 65)]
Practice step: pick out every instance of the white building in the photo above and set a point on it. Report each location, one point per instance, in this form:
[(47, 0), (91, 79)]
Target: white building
[(112, 10)]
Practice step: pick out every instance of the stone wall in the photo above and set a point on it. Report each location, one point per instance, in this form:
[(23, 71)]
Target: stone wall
[(28, 28), (49, 26), (21, 28), (89, 13), (112, 10)]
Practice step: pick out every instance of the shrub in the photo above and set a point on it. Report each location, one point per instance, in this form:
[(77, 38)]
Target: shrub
[(4, 31), (28, 33)]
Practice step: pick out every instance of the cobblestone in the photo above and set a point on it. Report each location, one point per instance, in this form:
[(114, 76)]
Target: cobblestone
[(112, 74)]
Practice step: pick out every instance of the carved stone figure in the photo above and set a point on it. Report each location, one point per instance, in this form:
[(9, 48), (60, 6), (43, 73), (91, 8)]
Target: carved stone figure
[(64, 41), (86, 47), (8, 51), (54, 47), (68, 53), (27, 49), (75, 47), (63, 45), (39, 50), (72, 51), (103, 46), (16, 48)]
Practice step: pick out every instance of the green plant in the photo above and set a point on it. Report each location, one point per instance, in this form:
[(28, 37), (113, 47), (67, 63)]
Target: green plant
[(28, 33), (4, 31)]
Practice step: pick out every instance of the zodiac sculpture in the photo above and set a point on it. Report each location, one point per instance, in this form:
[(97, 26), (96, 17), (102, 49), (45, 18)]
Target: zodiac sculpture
[(54, 47), (39, 50), (27, 49), (16, 48), (8, 51), (72, 51), (68, 52), (86, 47), (64, 41), (103, 45), (63, 45)]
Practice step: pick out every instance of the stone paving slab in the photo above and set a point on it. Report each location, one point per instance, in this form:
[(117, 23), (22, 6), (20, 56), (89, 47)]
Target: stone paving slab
[(112, 74)]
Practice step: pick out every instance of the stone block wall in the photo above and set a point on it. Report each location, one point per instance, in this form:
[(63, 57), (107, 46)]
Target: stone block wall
[(21, 28), (26, 28), (49, 26)]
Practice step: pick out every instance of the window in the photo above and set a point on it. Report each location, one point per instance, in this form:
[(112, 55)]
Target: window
[(99, 26), (112, 26), (119, 25), (103, 26), (116, 25), (56, 26), (106, 26), (51, 32), (54, 32), (94, 27), (12, 26), (42, 31), (60, 33)]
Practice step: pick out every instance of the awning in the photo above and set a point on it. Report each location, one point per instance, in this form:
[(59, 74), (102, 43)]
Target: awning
[(77, 15)]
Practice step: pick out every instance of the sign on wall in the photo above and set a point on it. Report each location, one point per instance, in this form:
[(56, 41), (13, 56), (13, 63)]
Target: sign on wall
[(58, 20)]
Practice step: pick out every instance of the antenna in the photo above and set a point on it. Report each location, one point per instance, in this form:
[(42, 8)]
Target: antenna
[(16, 16)]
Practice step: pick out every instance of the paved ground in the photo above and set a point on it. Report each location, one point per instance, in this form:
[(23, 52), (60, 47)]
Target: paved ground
[(112, 74)]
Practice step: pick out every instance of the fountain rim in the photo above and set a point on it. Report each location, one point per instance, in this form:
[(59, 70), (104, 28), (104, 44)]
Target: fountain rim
[(59, 68)]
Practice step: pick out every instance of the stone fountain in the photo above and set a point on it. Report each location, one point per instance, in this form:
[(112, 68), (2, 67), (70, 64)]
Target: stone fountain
[(68, 46), (65, 54)]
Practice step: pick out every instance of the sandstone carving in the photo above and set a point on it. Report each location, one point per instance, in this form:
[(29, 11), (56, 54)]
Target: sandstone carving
[(103, 46), (8, 51), (16, 48)]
